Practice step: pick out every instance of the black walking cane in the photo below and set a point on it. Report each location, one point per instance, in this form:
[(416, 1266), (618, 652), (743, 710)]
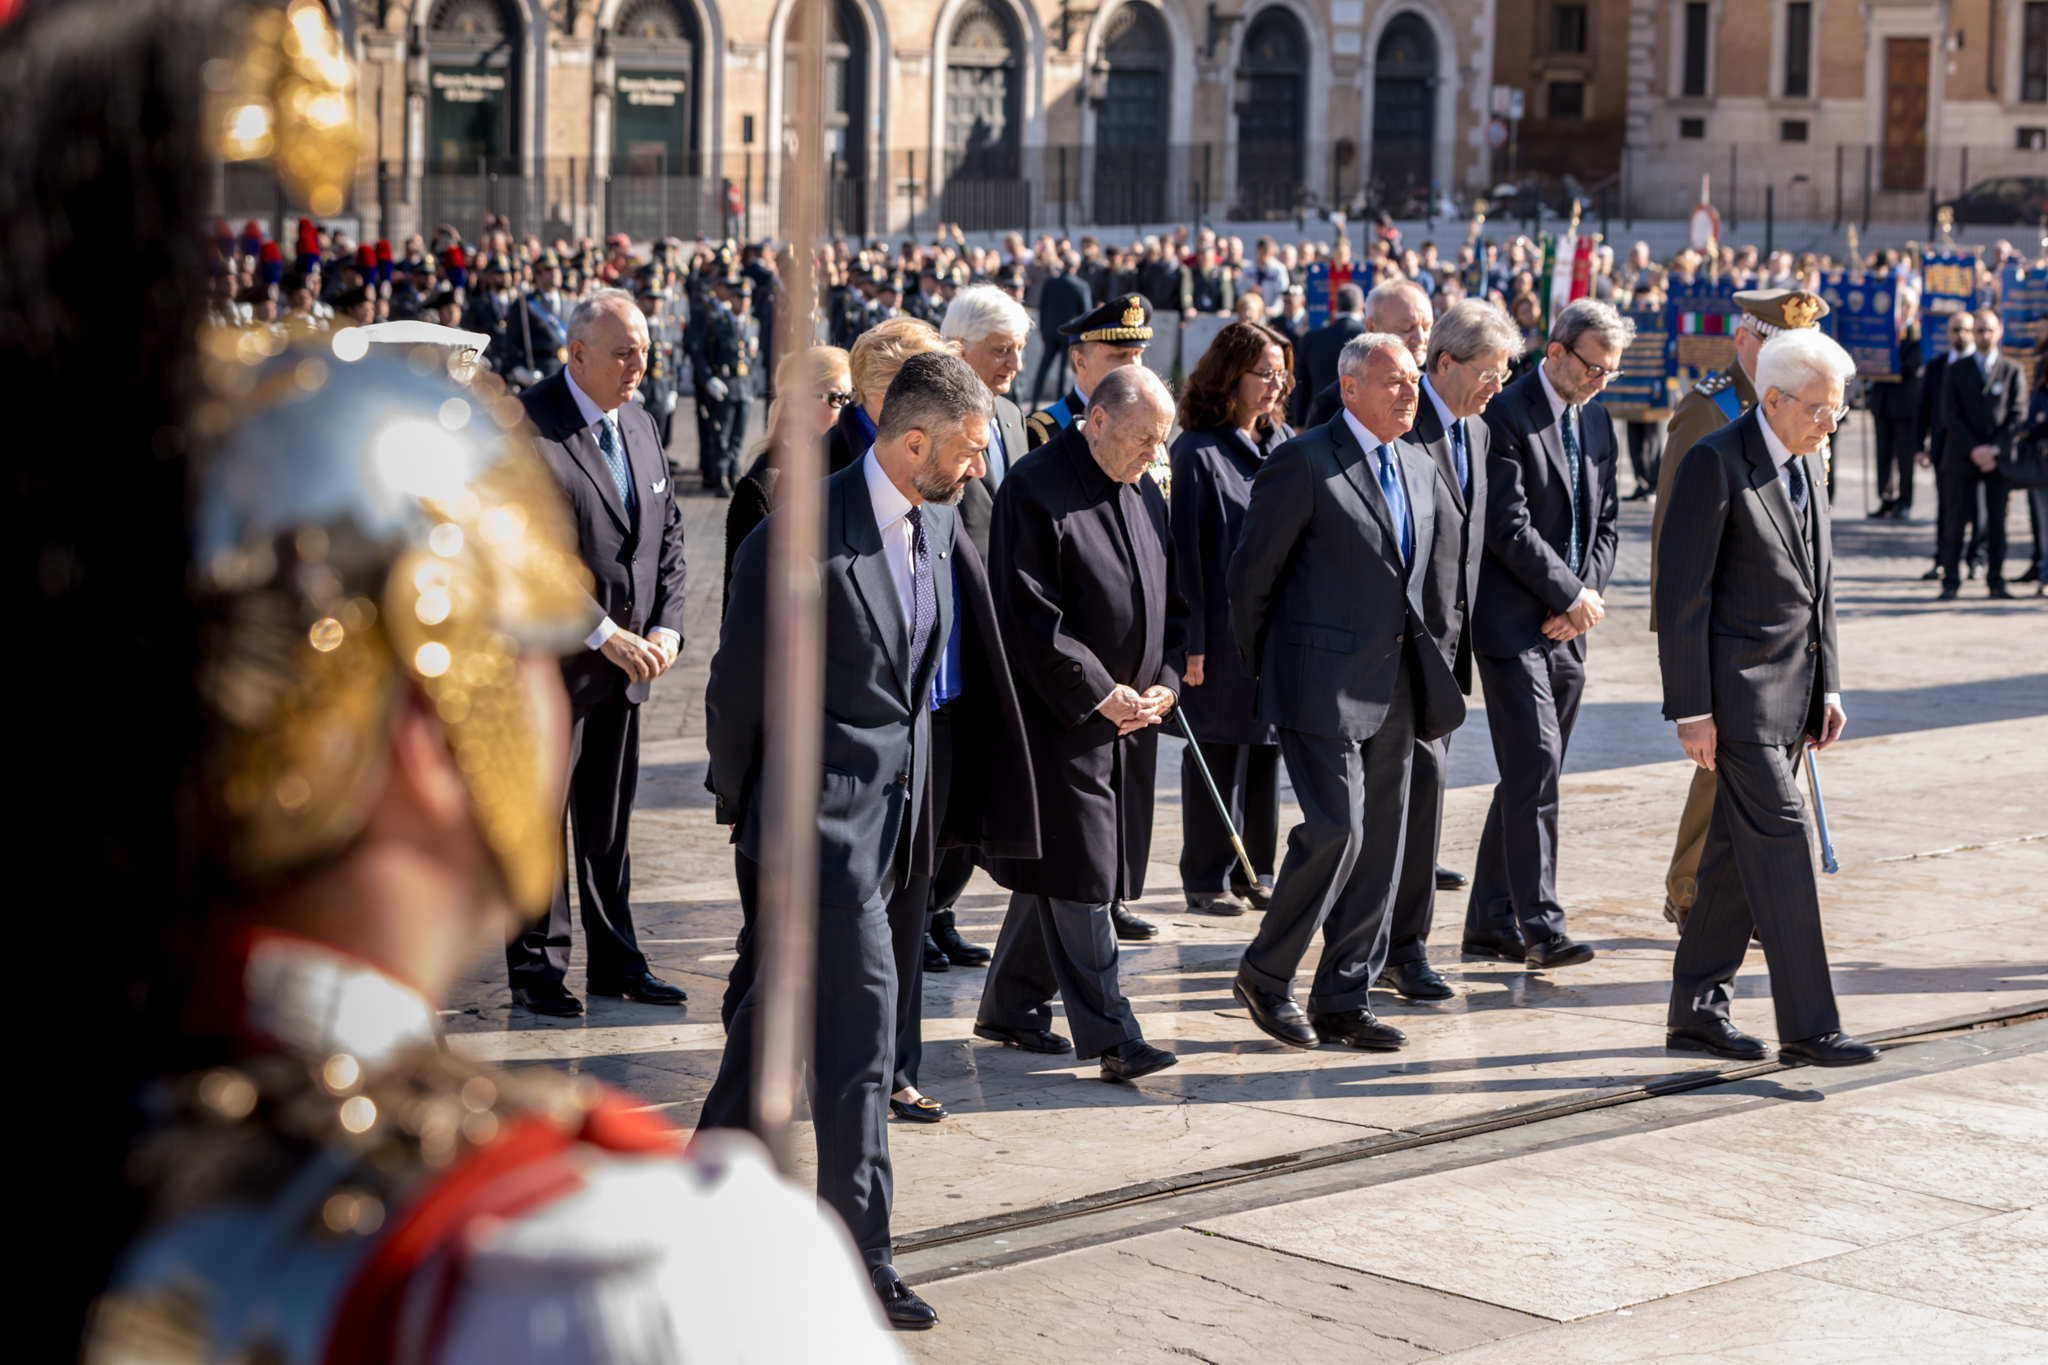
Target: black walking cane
[(1251, 878)]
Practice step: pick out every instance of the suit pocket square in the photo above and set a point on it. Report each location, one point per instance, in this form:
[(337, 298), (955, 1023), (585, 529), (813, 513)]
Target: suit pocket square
[(657, 485)]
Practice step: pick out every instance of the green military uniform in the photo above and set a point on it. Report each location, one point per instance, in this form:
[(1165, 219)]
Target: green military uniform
[(1715, 401), (1120, 323)]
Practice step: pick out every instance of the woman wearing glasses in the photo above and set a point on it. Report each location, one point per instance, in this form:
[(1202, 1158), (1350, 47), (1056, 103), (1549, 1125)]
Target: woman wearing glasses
[(1230, 417), (811, 387)]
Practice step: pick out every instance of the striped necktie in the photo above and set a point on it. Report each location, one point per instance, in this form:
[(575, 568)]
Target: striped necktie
[(615, 460)]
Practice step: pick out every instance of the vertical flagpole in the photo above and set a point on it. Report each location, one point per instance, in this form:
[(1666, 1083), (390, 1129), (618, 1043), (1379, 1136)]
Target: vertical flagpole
[(794, 740)]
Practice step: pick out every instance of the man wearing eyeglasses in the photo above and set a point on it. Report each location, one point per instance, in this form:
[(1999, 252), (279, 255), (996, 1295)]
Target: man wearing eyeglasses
[(1984, 400), (1550, 545), (1745, 592)]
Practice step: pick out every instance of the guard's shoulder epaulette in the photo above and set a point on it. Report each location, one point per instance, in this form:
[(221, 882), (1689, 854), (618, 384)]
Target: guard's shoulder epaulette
[(1715, 382)]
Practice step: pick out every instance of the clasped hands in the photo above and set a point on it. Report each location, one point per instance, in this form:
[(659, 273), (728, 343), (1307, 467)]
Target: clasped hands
[(642, 658), (1134, 710), (1583, 615)]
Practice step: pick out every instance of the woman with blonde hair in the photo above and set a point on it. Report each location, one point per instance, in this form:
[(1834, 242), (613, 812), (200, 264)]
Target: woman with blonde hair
[(812, 388), (1231, 417), (874, 360)]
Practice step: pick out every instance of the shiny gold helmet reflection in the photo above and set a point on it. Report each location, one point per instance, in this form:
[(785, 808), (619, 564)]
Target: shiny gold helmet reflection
[(367, 527)]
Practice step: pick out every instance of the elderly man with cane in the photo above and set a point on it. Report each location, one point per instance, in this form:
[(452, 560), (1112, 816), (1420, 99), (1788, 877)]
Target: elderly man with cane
[(1752, 673)]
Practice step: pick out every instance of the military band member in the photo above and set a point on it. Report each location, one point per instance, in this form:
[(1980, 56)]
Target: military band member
[(658, 386), (1720, 398), (1099, 341), (721, 359)]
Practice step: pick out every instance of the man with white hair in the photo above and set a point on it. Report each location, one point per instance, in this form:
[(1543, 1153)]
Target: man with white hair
[(1752, 675), (990, 328), (1096, 635)]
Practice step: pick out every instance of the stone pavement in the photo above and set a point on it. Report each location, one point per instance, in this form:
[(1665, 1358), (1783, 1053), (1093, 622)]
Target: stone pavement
[(1936, 802)]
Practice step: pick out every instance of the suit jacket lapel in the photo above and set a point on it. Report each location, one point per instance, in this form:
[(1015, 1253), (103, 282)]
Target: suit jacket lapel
[(1419, 472), (1818, 509), (1553, 440), (581, 443), (1434, 437), (645, 466), (1357, 464), (872, 579), (1770, 487)]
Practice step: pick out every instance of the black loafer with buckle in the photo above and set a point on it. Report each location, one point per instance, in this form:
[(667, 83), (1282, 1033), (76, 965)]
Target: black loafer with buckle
[(923, 1109)]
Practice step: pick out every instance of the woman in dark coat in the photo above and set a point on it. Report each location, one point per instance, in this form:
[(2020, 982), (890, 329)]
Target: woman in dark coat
[(1230, 422), (811, 388)]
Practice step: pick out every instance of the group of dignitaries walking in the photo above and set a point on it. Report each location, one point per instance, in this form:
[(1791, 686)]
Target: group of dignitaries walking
[(1013, 607)]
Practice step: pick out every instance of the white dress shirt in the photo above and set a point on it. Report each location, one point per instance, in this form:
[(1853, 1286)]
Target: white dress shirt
[(1781, 455), (1443, 412), (592, 415), (1562, 412), (892, 520)]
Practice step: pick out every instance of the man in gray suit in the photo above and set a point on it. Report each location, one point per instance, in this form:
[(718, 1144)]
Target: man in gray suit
[(1470, 350), (1746, 642), (1326, 596), (888, 596)]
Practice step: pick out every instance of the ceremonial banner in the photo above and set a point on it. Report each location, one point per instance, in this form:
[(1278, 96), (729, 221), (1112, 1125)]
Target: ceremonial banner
[(1324, 279), (2023, 308), (1648, 386), (1703, 317), (1558, 258), (1863, 317), (1948, 285)]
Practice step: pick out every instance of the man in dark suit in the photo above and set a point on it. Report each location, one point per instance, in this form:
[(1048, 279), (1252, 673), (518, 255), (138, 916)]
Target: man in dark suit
[(1326, 599), (1470, 350), (603, 448), (721, 356), (1960, 332), (1096, 636), (1746, 645), (889, 608), (1984, 403), (1315, 355), (1551, 507), (1895, 414), (1063, 297)]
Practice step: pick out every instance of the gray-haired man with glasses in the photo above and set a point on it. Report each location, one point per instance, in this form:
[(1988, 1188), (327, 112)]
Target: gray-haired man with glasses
[(1550, 544)]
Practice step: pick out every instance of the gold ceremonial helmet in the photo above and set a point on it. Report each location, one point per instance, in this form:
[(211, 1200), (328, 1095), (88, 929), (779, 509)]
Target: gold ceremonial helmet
[(367, 526)]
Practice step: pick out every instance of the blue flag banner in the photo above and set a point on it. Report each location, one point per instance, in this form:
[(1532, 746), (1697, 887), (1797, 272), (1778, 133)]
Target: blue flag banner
[(1863, 317), (1649, 368), (1948, 285), (1703, 316), (2023, 308), (1323, 280)]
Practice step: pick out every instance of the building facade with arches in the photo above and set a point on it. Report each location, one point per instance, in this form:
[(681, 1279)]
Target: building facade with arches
[(668, 117)]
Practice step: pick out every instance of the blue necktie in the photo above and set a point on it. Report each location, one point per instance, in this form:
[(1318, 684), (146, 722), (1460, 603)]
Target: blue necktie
[(1795, 483), (924, 599), (997, 457), (1397, 499), (615, 461), (1458, 457), (1575, 553)]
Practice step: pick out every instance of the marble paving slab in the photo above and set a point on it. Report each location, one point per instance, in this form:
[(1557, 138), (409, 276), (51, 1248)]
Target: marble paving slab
[(1994, 1268)]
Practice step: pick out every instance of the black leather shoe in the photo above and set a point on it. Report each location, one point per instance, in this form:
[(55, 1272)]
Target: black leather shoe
[(645, 987), (1358, 1028), (1829, 1049), (1030, 1039), (1508, 948), (935, 959), (1276, 1015), (1255, 895), (1129, 927), (1718, 1037), (958, 950), (552, 999), (2030, 574), (1447, 880), (1556, 951), (1213, 903), (1997, 590), (1131, 1060), (1931, 575), (1949, 591), (1415, 981), (923, 1109), (904, 1309)]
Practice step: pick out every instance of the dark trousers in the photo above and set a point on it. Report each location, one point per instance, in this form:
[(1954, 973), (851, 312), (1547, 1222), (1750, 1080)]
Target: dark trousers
[(1248, 775), (1532, 701), (910, 912), (1415, 894), (1961, 485), (604, 773), (1067, 948), (1055, 354), (1342, 859), (1645, 453), (850, 1066), (721, 426), (1756, 871), (1896, 453)]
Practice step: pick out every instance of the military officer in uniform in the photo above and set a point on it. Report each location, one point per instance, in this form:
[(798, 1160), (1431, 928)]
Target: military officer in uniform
[(1110, 336), (658, 385), (1715, 401), (720, 359)]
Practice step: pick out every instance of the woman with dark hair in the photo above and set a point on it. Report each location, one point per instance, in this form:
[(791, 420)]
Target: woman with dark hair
[(1230, 417)]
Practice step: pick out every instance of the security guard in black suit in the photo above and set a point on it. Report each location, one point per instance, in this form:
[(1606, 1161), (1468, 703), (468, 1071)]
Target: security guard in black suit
[(720, 361), (1097, 342)]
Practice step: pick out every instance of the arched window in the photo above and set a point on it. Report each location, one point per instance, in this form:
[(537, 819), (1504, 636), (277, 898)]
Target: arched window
[(1136, 66), (654, 50), (1404, 116), (846, 114), (984, 91), (1273, 100), (472, 80)]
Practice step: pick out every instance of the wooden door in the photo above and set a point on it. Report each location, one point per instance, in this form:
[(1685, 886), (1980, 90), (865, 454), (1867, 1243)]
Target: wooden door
[(1905, 113)]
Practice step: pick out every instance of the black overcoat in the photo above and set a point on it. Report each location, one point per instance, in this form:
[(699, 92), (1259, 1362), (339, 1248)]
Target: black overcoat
[(1212, 487), (1086, 600)]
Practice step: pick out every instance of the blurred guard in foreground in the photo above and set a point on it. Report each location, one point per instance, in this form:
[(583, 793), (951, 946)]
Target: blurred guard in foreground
[(366, 785)]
